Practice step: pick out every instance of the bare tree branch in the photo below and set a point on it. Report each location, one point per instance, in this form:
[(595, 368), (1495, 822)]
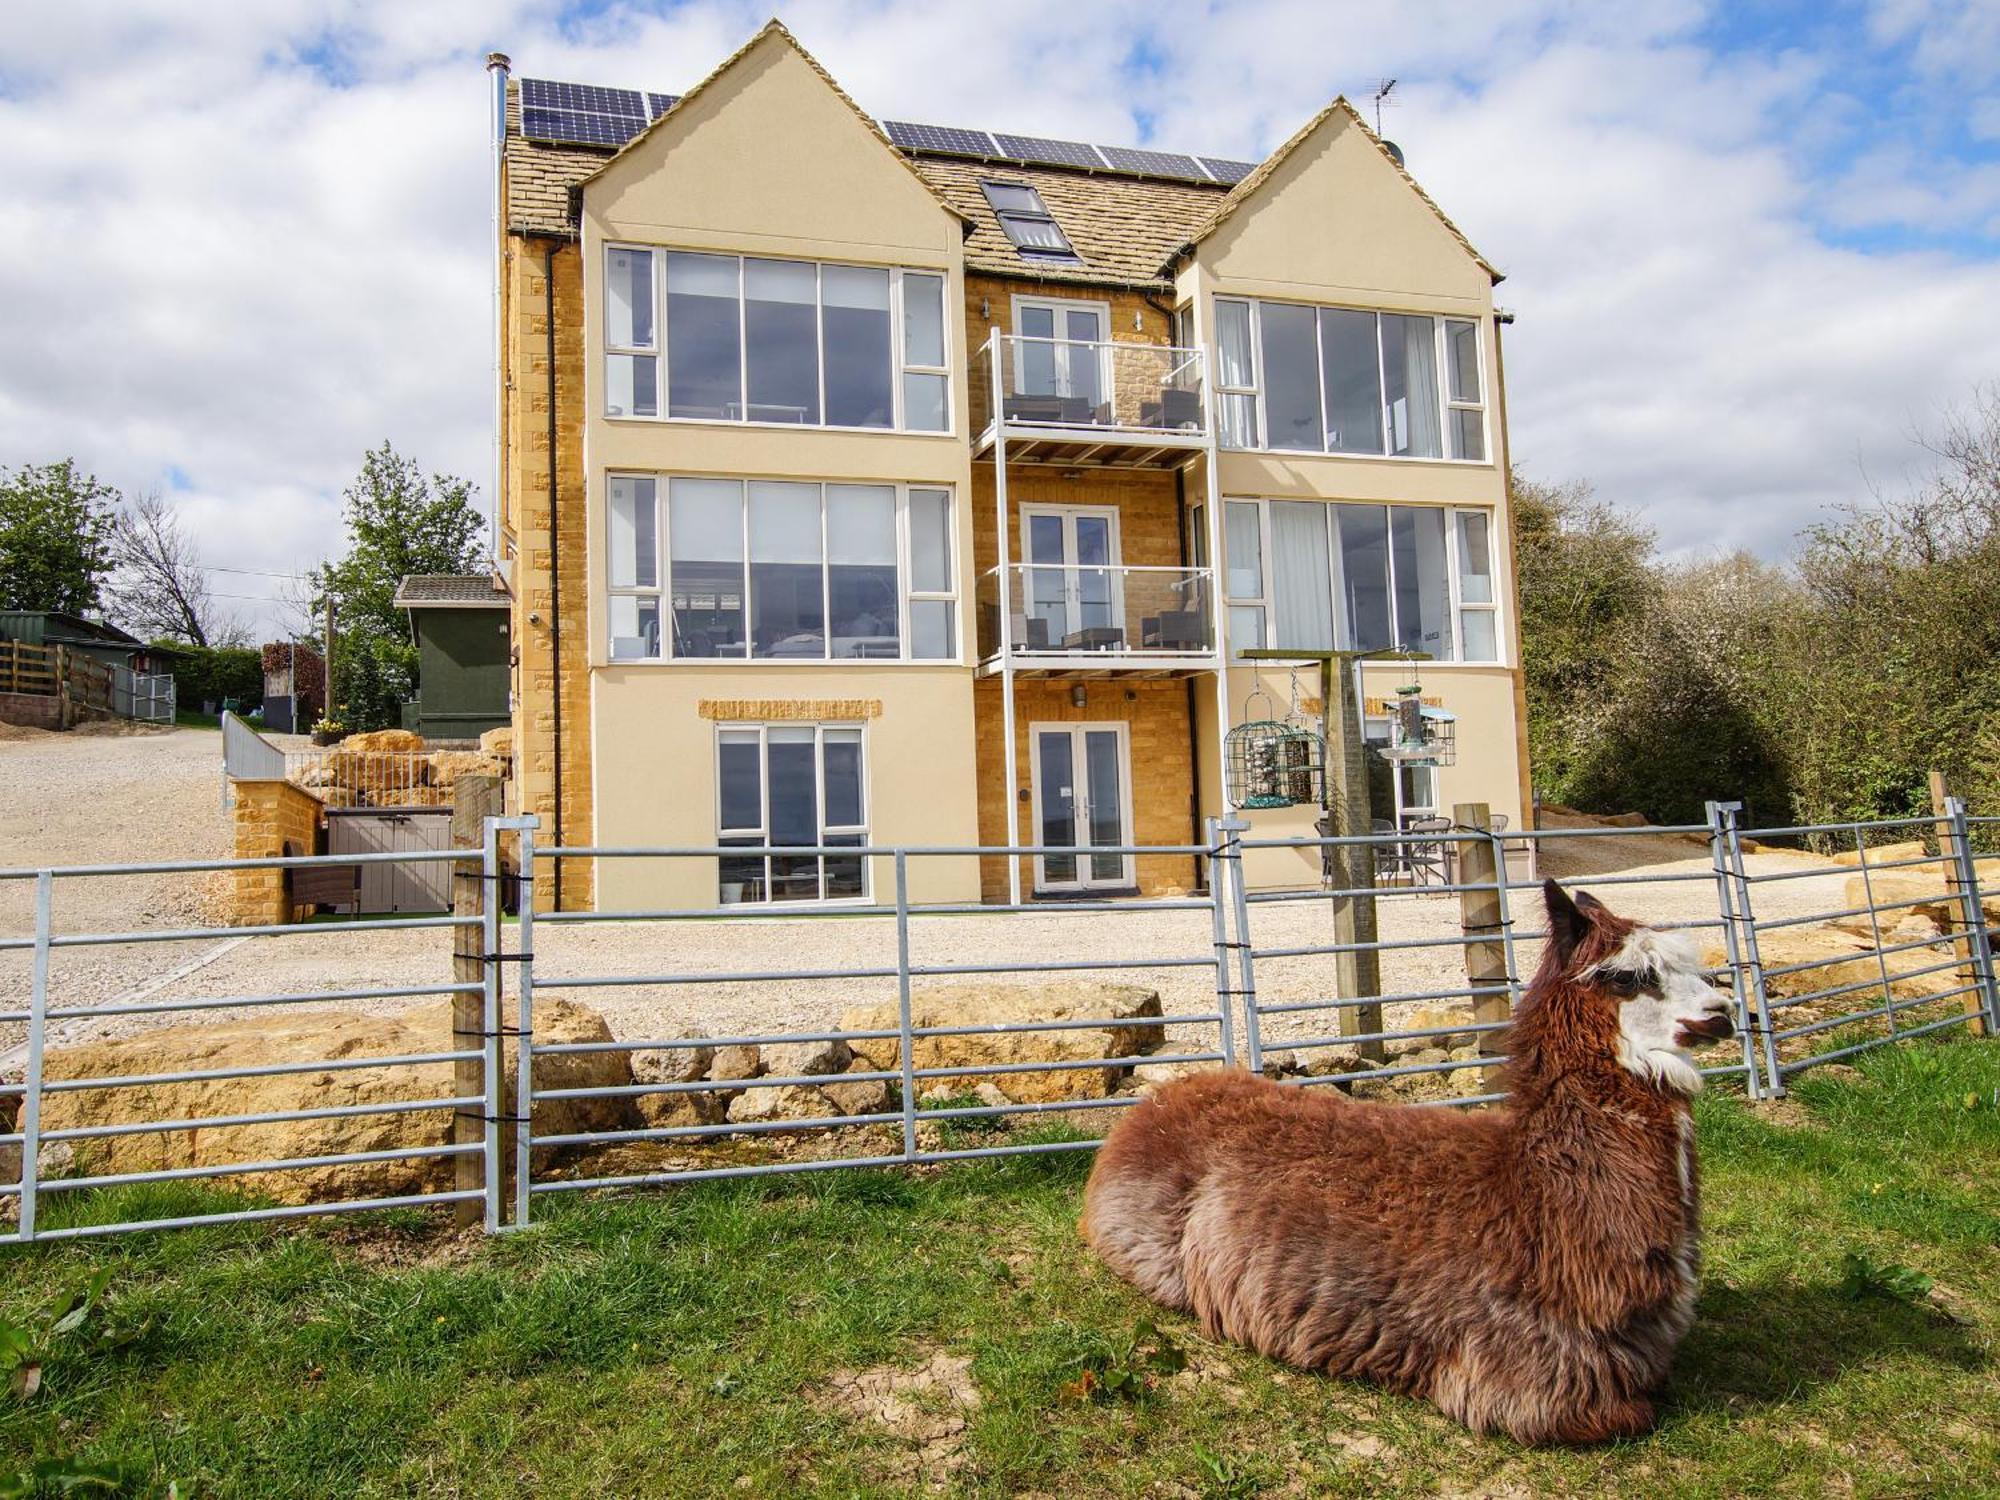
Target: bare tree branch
[(158, 586)]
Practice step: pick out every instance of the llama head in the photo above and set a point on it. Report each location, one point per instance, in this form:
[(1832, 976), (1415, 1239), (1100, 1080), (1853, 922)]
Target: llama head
[(1651, 982)]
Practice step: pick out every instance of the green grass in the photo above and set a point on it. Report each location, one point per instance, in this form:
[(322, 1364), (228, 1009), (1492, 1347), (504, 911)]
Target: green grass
[(686, 1342), (194, 718)]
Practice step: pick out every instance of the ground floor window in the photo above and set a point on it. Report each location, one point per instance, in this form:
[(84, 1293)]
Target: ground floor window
[(798, 785)]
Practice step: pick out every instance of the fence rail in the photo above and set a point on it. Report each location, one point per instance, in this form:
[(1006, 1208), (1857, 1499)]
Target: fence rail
[(909, 1030), (83, 682)]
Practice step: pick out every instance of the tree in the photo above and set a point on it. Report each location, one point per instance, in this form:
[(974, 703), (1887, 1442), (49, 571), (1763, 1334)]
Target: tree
[(158, 586), (55, 539), (1585, 573), (399, 522)]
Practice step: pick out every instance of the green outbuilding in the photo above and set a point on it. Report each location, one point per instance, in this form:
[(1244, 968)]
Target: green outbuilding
[(460, 623)]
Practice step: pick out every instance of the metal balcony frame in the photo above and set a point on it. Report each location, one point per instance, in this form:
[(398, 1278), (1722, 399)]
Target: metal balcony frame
[(1090, 445), (995, 437), (1124, 661)]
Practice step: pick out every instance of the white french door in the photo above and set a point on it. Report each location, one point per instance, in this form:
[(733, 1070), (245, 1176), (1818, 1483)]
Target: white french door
[(1082, 775), (1060, 352), (1071, 552)]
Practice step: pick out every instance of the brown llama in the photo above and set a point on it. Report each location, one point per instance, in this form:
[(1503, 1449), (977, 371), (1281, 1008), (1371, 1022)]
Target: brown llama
[(1530, 1269)]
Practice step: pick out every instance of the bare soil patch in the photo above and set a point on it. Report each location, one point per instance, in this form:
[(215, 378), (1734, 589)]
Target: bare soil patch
[(926, 1409)]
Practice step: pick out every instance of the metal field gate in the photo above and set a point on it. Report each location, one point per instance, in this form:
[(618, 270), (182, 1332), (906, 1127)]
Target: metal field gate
[(395, 886), (644, 1043)]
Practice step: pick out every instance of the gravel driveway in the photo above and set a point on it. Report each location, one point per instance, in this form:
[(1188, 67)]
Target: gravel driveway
[(79, 798)]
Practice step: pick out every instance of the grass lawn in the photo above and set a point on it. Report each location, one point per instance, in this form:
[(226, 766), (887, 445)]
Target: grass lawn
[(194, 718), (805, 1336)]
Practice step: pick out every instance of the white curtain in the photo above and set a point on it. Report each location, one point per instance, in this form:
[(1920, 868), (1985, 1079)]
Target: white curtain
[(1301, 586), (1413, 342)]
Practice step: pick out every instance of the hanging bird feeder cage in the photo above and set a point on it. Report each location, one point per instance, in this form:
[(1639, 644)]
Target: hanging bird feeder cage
[(1424, 736), (1269, 763)]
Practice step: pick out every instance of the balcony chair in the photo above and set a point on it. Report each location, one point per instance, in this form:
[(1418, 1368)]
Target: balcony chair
[(1174, 630), (1175, 411)]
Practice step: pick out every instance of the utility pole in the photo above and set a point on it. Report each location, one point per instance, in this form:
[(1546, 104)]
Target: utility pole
[(327, 711), (1344, 797)]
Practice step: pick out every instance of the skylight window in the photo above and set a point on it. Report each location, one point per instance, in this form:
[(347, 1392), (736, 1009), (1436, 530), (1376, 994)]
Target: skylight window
[(1028, 222)]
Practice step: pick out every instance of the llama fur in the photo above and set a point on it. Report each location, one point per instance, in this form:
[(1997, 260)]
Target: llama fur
[(1529, 1269)]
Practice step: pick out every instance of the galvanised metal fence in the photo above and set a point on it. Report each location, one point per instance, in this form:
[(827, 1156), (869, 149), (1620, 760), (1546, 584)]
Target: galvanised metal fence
[(33, 1089), (879, 1035)]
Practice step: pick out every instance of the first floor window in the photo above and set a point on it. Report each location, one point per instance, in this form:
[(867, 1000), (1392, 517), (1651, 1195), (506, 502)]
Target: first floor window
[(780, 570), (1376, 578), (790, 785)]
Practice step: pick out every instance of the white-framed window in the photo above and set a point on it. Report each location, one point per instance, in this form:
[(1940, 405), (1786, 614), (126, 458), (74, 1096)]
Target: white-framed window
[(802, 785), (631, 333), (1351, 577), (1301, 378), (1243, 586), (696, 336), (1236, 375), (782, 570), (1465, 391)]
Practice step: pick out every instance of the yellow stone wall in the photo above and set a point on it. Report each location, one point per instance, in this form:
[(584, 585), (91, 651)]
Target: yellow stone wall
[(527, 533), (1156, 715), (268, 815)]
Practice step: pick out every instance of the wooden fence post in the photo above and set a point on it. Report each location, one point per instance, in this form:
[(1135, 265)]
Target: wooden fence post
[(1950, 856), (1479, 919), (474, 799)]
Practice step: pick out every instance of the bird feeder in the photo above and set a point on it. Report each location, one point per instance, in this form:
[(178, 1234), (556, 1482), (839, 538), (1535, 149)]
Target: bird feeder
[(1273, 763), (1424, 736)]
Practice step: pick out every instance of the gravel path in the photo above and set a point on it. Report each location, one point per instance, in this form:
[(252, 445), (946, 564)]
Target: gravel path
[(80, 798)]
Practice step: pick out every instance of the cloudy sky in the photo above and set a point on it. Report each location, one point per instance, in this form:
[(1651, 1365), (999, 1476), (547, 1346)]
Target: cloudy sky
[(1752, 247)]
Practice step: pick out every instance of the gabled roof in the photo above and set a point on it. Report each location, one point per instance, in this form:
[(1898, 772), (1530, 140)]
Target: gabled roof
[(450, 591), (1130, 229), (774, 28), (1249, 186)]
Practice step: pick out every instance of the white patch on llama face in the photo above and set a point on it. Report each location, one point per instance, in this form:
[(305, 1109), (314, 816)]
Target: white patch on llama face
[(1672, 1008)]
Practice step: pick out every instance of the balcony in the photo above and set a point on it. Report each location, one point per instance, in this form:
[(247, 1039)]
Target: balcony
[(1078, 402), (1094, 621)]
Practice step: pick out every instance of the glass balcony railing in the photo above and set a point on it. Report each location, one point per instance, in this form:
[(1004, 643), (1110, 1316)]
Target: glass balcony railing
[(1093, 389), (1060, 610)]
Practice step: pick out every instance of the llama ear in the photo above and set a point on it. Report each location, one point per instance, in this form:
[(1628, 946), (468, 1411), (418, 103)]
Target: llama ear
[(1587, 902), (1568, 925)]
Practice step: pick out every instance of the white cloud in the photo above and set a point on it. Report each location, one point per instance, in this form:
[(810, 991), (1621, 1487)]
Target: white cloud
[(246, 243)]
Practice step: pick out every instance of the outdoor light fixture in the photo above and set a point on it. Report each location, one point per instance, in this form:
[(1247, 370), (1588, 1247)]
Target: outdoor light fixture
[(1077, 696)]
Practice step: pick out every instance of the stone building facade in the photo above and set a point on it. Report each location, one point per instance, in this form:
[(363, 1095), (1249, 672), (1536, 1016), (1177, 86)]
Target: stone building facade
[(752, 610)]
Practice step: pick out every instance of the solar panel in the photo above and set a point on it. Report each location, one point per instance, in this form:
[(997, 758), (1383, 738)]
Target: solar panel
[(1152, 163), (575, 127), (1224, 170), (945, 138), (661, 103), (545, 93), (1056, 153)]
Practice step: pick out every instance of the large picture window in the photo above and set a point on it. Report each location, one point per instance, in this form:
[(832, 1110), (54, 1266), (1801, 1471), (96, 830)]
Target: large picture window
[(1384, 578), (796, 785), (1347, 380), (780, 570), (794, 342)]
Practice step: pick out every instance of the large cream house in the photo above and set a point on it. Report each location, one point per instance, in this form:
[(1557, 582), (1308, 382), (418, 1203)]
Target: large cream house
[(910, 485)]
